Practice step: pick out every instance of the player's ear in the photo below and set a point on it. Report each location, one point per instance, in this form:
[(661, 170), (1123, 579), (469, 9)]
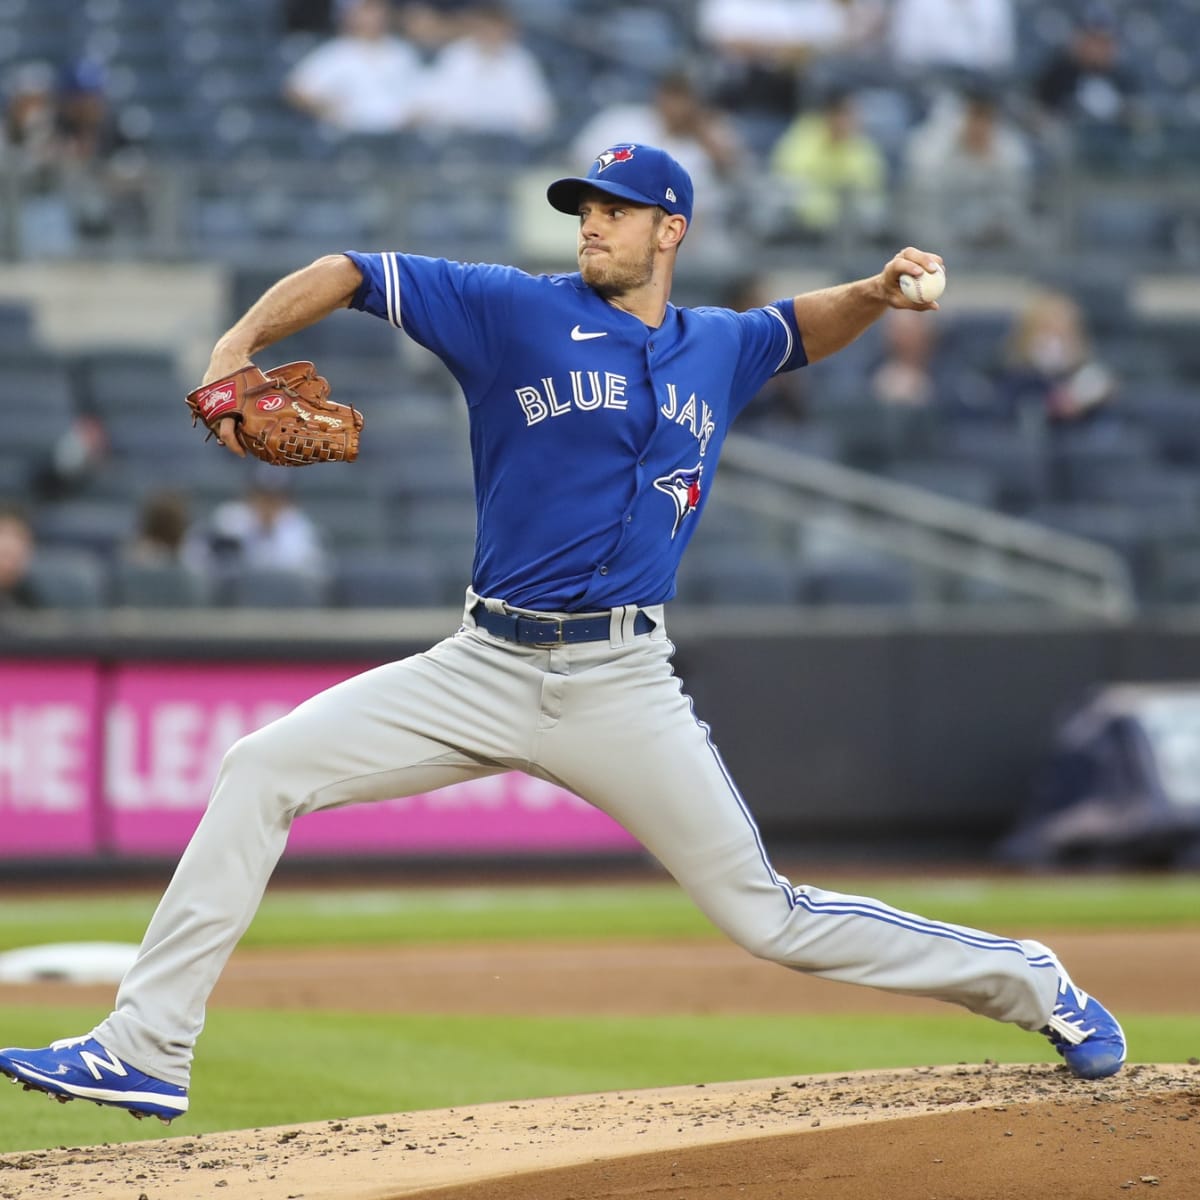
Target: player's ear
[(671, 230)]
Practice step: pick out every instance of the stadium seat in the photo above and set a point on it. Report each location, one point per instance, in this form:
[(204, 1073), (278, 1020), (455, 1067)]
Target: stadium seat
[(346, 333), (809, 439), (268, 587), (169, 131), (1083, 459), (435, 520), (118, 380), (68, 578), (1178, 581), (158, 585), (38, 382), (152, 433), (94, 525), (205, 473), (391, 579), (348, 520), (1016, 462), (1148, 484), (743, 578), (852, 581), (1133, 223), (16, 326), (967, 482), (15, 475), (434, 474), (975, 338), (1170, 414)]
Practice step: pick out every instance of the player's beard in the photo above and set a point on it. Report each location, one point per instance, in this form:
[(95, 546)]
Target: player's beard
[(612, 277)]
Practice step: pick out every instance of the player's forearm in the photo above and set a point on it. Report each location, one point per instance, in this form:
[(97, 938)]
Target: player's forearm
[(833, 317), (295, 302)]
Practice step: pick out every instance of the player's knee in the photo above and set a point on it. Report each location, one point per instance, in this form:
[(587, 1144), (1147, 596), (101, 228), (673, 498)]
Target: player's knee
[(763, 940), (252, 761)]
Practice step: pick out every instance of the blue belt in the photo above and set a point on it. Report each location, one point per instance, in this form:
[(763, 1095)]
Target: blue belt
[(550, 631)]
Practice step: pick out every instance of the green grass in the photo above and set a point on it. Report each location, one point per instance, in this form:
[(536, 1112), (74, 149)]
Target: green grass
[(294, 917), (257, 1068)]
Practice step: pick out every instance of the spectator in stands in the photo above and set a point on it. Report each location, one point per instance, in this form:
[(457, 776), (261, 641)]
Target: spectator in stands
[(1051, 371), (1084, 82), (104, 171), (679, 121), (487, 81), (762, 50), (163, 522), (265, 528), (968, 176), (905, 377), (431, 24), (88, 128), (835, 173), (17, 589), (31, 155), (953, 36), (73, 459), (364, 80), (30, 128)]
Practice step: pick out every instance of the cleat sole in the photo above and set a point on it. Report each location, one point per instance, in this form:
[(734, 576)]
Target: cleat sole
[(153, 1104)]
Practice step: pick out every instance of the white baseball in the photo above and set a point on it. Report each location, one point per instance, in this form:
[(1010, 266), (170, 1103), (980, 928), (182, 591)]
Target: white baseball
[(921, 289)]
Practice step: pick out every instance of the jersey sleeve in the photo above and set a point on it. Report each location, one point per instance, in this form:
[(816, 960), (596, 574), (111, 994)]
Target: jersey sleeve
[(460, 311), (770, 343)]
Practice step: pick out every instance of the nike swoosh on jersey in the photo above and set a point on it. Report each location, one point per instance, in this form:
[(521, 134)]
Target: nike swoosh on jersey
[(577, 335)]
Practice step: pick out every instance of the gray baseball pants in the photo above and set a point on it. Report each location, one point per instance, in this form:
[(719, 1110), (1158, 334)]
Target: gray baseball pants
[(607, 720)]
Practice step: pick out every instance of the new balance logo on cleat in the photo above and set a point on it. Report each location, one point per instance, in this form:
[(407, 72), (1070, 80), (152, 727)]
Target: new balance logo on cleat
[(110, 1062), (82, 1069), (1084, 1032)]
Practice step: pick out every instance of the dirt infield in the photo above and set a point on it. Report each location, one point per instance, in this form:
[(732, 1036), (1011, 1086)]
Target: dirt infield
[(948, 1133), (1147, 971)]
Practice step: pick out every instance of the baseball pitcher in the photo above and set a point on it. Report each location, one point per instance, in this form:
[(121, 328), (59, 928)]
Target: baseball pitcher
[(597, 415)]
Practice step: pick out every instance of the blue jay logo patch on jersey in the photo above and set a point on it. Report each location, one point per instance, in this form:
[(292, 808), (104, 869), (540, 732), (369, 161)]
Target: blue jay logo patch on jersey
[(615, 155), (683, 486)]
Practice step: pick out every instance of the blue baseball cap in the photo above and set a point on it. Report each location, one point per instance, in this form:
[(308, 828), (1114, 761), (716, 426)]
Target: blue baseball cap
[(643, 174)]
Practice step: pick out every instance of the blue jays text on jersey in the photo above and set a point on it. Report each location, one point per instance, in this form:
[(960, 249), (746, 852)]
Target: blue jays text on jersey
[(593, 436)]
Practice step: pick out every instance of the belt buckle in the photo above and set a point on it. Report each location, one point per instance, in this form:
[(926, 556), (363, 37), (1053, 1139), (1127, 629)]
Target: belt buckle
[(559, 632), (539, 622)]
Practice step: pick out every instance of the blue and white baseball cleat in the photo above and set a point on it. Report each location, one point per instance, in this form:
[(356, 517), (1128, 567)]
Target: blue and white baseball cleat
[(1084, 1032), (82, 1069)]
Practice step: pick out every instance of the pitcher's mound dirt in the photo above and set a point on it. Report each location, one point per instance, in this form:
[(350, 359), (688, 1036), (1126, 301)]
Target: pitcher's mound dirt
[(945, 1133)]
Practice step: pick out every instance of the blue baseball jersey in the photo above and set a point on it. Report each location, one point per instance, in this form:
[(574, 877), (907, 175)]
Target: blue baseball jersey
[(594, 438)]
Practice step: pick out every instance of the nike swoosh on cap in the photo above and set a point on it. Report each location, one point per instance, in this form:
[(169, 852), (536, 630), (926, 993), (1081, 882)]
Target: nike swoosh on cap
[(577, 335)]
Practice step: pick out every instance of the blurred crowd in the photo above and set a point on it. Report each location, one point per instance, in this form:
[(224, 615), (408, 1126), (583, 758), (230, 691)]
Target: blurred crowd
[(896, 119), (806, 124)]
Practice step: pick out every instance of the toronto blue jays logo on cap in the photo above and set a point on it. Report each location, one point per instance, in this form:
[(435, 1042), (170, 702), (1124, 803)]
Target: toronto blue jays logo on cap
[(683, 486), (614, 154)]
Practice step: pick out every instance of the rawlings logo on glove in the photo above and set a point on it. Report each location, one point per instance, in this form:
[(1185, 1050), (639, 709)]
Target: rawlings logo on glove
[(283, 416)]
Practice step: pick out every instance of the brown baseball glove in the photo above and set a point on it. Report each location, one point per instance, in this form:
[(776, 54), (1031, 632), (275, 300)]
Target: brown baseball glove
[(284, 416)]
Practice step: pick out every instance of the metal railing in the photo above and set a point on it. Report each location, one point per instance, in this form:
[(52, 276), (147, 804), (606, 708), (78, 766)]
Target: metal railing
[(926, 529)]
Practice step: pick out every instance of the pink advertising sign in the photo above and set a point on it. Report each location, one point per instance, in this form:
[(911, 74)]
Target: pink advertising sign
[(48, 759), (168, 726)]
